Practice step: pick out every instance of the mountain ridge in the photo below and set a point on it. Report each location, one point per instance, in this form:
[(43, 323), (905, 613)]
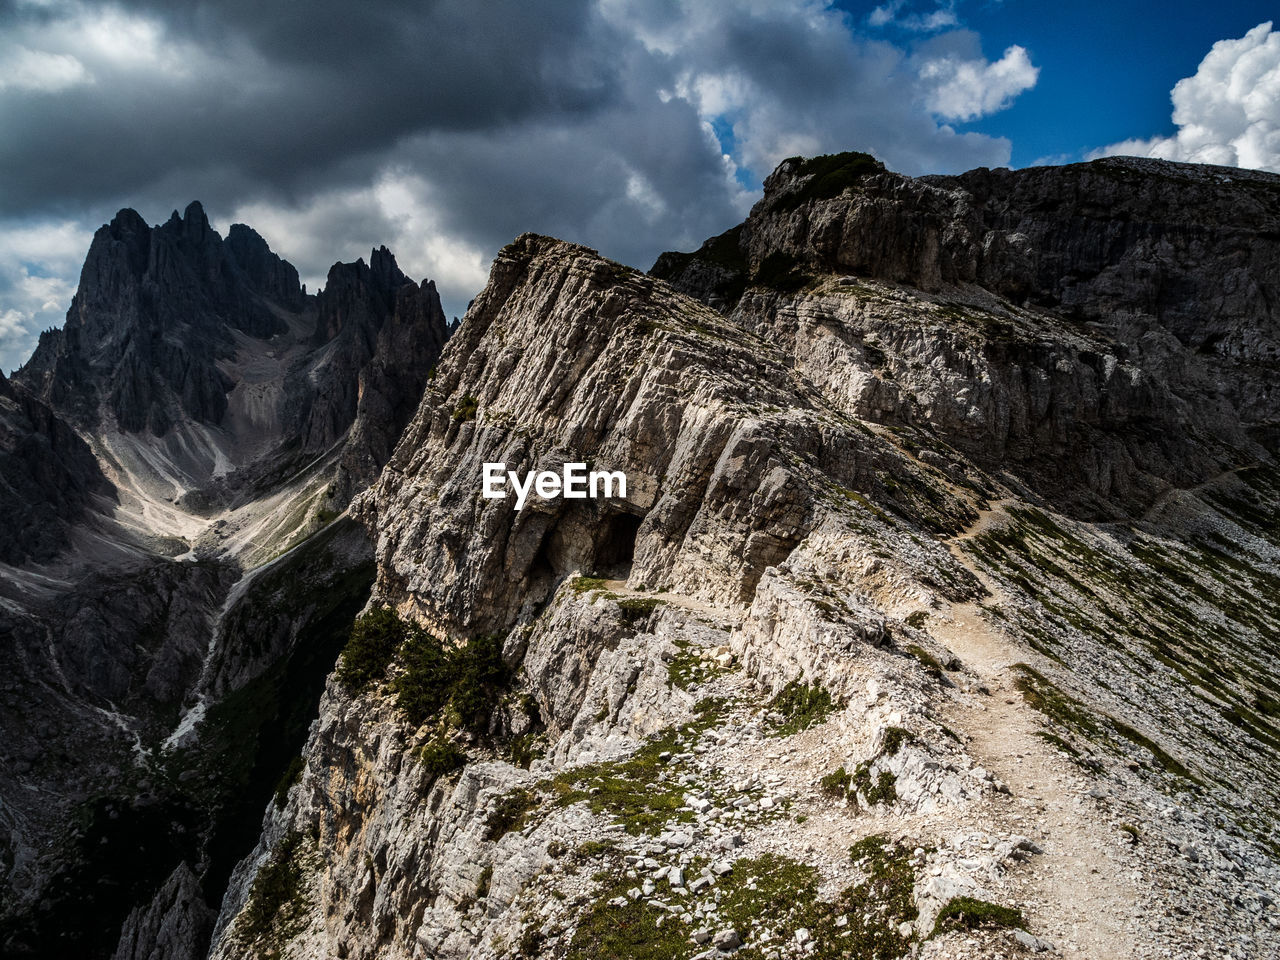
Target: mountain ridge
[(944, 587)]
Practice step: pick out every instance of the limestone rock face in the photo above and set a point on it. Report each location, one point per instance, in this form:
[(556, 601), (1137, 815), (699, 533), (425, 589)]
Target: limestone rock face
[(568, 358), (1105, 329), (866, 587)]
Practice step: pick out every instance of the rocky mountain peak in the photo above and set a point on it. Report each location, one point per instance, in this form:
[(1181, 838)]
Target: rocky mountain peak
[(1152, 281)]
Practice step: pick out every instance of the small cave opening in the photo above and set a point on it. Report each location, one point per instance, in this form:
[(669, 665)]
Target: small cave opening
[(616, 545)]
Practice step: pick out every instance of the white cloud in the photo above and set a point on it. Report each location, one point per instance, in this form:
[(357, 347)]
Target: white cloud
[(22, 68), (965, 90), (396, 210), (1228, 113), (38, 266), (940, 18), (796, 77)]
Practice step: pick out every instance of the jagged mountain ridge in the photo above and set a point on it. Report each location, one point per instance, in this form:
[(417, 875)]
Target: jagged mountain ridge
[(993, 509), (178, 569)]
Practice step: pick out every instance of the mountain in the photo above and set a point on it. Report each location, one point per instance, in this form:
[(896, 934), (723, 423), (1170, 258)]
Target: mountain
[(939, 616), (179, 571), (47, 473)]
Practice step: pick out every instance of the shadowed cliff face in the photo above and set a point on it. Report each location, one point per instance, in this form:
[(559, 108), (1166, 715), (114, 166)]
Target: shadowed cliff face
[(155, 311), (1103, 329), (48, 478)]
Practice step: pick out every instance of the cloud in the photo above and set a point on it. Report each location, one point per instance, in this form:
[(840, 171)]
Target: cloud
[(1228, 113), (965, 90), (39, 264), (445, 129), (24, 69), (939, 18)]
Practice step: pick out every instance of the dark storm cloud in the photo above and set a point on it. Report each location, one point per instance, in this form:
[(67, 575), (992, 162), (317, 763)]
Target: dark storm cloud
[(442, 129), (281, 93)]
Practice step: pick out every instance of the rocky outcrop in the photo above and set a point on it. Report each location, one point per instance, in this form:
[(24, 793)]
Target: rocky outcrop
[(568, 358), (153, 315), (1105, 329), (384, 334)]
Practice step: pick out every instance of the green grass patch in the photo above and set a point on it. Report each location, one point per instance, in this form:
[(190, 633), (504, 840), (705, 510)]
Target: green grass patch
[(466, 409), (801, 706), (440, 757), (632, 789), (512, 812), (968, 913), (766, 900)]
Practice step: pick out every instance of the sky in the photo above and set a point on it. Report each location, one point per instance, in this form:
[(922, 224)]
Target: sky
[(445, 128)]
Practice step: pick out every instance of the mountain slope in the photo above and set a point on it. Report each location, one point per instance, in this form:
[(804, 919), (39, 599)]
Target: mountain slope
[(922, 606)]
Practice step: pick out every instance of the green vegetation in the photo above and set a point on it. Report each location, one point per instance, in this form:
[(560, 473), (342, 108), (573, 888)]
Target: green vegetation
[(690, 668), (917, 619), (831, 174), (802, 706), (423, 688), (465, 681), (482, 885), (634, 789), (859, 786), (373, 642), (440, 757), (1042, 695), (478, 679), (291, 775), (769, 896), (634, 610), (1204, 614), (466, 409), (524, 749), (511, 812), (1071, 714), (967, 913), (894, 740), (277, 902), (932, 665)]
